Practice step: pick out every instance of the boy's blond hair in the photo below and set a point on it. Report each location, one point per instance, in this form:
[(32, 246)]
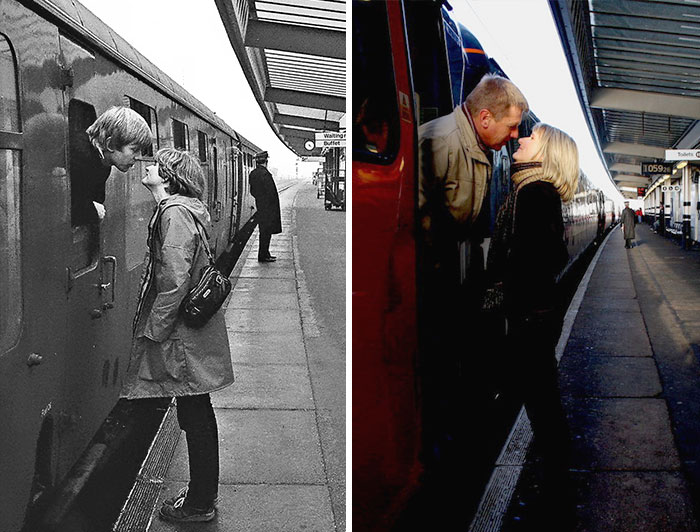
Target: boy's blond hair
[(124, 126)]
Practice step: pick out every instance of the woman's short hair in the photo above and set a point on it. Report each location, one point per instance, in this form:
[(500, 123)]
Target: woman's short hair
[(496, 94), (124, 125), (181, 171), (559, 159)]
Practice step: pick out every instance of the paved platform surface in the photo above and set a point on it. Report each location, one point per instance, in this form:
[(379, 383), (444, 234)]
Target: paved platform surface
[(630, 382), (276, 465)]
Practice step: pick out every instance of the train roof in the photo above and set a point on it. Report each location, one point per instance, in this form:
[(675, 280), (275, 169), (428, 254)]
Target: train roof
[(88, 26)]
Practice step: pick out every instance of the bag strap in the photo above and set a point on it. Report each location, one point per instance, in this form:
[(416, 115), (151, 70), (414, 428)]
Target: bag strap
[(197, 223)]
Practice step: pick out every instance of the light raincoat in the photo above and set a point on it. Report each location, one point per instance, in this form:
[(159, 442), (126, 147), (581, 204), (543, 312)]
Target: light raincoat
[(168, 358)]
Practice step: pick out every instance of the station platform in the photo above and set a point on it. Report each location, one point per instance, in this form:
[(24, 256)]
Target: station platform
[(273, 467), (630, 382)]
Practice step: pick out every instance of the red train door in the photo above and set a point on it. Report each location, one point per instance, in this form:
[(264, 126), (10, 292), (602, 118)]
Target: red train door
[(98, 324), (386, 413)]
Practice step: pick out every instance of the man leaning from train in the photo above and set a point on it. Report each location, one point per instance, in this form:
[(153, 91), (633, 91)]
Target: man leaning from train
[(455, 171), (116, 138), (454, 152)]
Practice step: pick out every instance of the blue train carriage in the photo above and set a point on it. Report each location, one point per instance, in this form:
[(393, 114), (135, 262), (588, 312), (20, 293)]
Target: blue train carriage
[(67, 291)]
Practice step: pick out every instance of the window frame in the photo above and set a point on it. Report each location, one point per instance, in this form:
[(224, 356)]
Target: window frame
[(173, 122), (202, 135), (152, 121), (13, 143)]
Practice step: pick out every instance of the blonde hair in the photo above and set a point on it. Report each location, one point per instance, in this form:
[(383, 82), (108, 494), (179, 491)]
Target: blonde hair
[(559, 156), (496, 94), (124, 125), (181, 171)]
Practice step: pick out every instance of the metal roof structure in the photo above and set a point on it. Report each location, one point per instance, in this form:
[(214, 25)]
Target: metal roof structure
[(293, 56), (636, 67)]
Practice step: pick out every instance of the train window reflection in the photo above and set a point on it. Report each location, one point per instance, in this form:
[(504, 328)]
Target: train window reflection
[(181, 136), (375, 108), (9, 108), (149, 115), (10, 270)]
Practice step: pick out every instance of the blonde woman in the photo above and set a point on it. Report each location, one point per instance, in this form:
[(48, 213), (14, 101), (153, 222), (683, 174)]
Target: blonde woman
[(526, 255)]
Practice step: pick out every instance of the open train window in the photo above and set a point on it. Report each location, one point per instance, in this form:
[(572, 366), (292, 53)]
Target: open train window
[(202, 142), (10, 174), (149, 115), (87, 182), (181, 135), (375, 102)]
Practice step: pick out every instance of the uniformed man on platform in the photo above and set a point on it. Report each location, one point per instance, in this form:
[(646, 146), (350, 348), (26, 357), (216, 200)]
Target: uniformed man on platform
[(267, 202)]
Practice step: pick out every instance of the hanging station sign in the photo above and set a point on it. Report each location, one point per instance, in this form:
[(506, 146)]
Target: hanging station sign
[(331, 139), (682, 155), (656, 168)]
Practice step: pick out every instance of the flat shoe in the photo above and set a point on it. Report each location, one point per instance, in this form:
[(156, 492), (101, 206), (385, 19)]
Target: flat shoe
[(267, 259)]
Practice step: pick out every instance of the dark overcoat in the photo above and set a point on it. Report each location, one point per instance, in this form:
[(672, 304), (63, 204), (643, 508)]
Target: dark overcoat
[(168, 358), (267, 201), (628, 219), (537, 252)]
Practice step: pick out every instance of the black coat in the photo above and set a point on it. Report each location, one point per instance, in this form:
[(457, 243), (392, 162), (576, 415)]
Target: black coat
[(264, 190), (537, 252)]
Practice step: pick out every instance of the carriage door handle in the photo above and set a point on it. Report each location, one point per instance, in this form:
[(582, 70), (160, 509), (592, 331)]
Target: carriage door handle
[(111, 285)]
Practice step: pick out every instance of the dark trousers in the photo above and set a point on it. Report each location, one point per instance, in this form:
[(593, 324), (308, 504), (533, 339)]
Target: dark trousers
[(533, 372), (264, 248), (196, 417)]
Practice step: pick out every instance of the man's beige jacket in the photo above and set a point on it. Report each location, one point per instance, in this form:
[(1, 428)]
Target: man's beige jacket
[(453, 171)]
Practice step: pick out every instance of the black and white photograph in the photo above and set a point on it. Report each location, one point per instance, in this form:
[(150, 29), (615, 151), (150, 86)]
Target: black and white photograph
[(172, 265)]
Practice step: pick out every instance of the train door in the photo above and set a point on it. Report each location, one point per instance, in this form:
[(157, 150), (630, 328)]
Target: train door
[(215, 204), (32, 332), (98, 329), (232, 191), (239, 193)]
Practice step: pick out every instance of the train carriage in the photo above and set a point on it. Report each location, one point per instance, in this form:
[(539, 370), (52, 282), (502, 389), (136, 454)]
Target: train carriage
[(412, 63), (67, 289)]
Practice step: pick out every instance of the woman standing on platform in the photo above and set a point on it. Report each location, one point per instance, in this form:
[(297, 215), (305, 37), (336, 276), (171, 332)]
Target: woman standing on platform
[(168, 358), (526, 255)]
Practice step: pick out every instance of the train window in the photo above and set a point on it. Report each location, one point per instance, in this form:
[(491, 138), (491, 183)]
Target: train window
[(87, 181), (10, 270), (202, 138), (9, 108), (10, 170), (181, 135), (149, 115), (375, 107)]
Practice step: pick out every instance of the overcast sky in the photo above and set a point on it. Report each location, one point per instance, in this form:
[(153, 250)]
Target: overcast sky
[(521, 36), (187, 41)]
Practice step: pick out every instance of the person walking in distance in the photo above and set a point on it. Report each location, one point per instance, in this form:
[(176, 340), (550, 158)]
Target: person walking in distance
[(628, 219), (267, 202)]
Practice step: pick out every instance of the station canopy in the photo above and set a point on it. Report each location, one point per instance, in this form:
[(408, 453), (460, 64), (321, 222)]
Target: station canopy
[(293, 55), (636, 67)]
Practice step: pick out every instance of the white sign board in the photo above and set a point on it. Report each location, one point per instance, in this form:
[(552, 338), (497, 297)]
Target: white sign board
[(682, 155), (331, 139)]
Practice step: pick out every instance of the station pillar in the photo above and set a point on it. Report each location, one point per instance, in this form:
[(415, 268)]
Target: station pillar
[(686, 206), (662, 214)]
